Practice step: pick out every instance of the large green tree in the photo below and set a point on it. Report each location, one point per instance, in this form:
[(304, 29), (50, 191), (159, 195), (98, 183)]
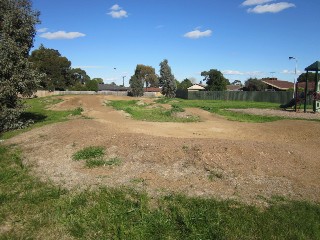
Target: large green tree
[(76, 75), (215, 80), (136, 86), (185, 84), (167, 80), (98, 80), (56, 67), (253, 84), (147, 75), (17, 30)]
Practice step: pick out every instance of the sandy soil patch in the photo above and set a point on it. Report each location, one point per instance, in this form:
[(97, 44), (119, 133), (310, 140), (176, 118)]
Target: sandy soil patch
[(249, 162)]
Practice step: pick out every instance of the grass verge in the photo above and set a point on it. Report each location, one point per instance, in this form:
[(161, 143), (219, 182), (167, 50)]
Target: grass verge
[(38, 112), (31, 209)]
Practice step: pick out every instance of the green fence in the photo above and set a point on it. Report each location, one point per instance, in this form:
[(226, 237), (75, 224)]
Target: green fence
[(273, 97)]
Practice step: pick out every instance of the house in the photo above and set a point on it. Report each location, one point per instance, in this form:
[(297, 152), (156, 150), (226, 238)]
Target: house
[(152, 89), (196, 87), (234, 88), (277, 85), (311, 85), (111, 87)]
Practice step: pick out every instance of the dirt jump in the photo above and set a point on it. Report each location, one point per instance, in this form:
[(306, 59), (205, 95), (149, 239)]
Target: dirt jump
[(247, 162)]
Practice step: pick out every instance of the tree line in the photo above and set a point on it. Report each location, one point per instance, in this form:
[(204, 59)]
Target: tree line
[(58, 74)]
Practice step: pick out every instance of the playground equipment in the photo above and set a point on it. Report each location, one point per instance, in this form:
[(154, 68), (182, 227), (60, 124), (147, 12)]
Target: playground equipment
[(294, 102), (299, 98), (315, 67)]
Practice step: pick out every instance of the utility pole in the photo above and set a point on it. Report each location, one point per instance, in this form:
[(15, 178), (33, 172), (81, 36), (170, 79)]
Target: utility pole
[(294, 81), (123, 80)]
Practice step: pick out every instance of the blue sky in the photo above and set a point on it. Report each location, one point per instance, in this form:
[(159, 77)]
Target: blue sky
[(241, 38)]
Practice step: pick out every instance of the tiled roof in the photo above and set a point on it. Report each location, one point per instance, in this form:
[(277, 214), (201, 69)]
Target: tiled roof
[(152, 89), (303, 85), (196, 87), (233, 87), (279, 84)]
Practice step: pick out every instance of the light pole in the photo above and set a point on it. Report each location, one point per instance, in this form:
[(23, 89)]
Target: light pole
[(123, 80), (295, 74)]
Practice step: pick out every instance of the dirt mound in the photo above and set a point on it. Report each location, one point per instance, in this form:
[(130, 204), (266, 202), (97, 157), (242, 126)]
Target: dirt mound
[(249, 162)]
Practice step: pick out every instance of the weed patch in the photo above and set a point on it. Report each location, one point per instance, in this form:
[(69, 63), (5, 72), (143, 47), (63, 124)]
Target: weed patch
[(159, 114), (94, 156), (91, 152)]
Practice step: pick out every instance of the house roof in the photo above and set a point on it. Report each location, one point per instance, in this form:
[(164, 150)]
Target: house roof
[(152, 89), (233, 87), (196, 87), (279, 84), (111, 87), (314, 67), (303, 85)]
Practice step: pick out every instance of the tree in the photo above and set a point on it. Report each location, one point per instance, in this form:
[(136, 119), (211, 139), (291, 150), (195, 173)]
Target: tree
[(98, 80), (92, 85), (56, 67), (17, 78), (76, 75), (167, 80), (136, 86), (253, 84), (185, 84), (147, 75), (215, 80), (237, 82)]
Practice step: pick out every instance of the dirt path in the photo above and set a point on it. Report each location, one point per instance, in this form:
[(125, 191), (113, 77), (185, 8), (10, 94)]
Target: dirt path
[(249, 162)]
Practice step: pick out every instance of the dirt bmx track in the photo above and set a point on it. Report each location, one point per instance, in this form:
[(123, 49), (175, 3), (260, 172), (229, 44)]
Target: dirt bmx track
[(249, 162)]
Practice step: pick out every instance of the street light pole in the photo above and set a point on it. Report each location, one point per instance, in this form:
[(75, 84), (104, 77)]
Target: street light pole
[(123, 80), (295, 73)]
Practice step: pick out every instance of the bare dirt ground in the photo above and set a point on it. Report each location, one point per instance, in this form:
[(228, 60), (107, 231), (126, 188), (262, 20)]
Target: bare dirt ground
[(249, 162)]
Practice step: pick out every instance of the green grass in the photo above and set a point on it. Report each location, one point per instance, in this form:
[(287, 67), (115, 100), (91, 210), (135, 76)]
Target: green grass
[(31, 209), (221, 108), (178, 105), (37, 111), (89, 153), (94, 156), (152, 114)]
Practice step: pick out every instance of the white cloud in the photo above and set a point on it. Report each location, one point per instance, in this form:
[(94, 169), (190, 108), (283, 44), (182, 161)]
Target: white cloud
[(290, 71), (233, 72), (236, 72), (255, 2), (117, 12), (115, 7), (61, 35), (198, 34), (271, 8), (42, 30)]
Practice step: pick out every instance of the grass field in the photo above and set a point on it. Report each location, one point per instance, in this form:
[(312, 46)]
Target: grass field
[(32, 209), (37, 111), (144, 112)]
